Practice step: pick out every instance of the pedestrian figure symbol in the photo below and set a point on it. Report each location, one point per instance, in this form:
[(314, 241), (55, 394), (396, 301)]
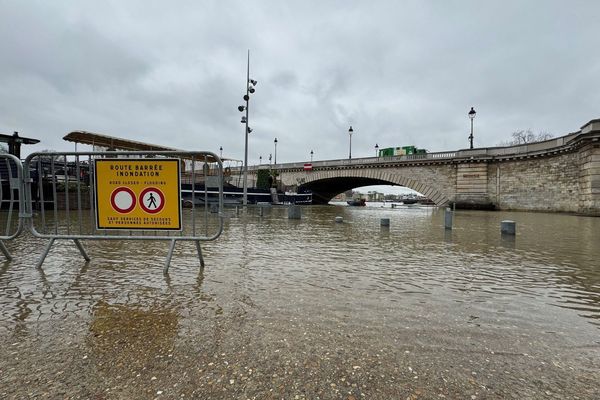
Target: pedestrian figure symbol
[(152, 200)]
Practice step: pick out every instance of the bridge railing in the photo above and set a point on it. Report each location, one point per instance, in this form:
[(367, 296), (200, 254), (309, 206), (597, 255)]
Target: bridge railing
[(546, 145)]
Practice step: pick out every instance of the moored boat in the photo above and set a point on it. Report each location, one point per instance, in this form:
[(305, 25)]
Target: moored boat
[(357, 202)]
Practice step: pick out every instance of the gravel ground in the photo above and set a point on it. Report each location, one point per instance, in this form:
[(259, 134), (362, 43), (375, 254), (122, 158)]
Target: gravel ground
[(235, 351)]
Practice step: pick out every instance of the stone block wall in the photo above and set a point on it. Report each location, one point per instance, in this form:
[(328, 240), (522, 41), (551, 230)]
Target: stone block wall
[(472, 186), (589, 179), (536, 184)]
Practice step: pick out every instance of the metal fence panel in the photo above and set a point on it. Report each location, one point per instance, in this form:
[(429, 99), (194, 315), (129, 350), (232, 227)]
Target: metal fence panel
[(11, 199), (60, 197), (62, 203)]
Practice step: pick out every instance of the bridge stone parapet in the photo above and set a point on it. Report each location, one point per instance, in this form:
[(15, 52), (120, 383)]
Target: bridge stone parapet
[(556, 175)]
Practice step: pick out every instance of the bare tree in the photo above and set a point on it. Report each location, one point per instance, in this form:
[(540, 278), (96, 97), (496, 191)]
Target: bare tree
[(526, 136)]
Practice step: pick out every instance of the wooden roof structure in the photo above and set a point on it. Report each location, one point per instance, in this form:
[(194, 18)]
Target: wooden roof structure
[(113, 143)]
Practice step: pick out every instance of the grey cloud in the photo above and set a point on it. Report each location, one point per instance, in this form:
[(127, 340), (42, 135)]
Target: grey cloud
[(398, 72)]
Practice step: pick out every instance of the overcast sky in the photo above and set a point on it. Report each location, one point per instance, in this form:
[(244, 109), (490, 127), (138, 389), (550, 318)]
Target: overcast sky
[(400, 72)]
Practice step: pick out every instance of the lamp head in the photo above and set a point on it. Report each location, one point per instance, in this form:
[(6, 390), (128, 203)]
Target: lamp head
[(251, 89), (241, 108), (350, 130), (472, 113), (243, 121), (246, 97)]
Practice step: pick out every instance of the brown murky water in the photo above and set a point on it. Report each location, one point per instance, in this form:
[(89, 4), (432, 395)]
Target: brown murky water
[(313, 309)]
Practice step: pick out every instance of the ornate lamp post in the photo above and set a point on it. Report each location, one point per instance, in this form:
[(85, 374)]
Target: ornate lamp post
[(275, 142), (221, 152), (471, 117), (259, 160), (311, 155), (250, 84), (376, 150), (350, 131)]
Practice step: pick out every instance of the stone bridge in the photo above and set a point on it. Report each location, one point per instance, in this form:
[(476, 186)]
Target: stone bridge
[(557, 175)]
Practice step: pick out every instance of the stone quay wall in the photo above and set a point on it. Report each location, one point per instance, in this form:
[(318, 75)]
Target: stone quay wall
[(536, 184)]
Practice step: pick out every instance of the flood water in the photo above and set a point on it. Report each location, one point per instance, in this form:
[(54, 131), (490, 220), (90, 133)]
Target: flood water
[(312, 309)]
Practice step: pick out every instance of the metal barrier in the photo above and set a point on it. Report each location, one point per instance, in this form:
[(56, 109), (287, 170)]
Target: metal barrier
[(11, 200), (123, 196)]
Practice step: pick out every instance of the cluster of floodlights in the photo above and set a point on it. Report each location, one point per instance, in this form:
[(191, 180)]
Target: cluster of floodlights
[(249, 90)]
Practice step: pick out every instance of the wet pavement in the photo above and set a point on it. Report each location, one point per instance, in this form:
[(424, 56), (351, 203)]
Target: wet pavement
[(312, 309)]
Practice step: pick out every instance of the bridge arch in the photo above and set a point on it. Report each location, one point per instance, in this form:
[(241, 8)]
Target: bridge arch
[(326, 184)]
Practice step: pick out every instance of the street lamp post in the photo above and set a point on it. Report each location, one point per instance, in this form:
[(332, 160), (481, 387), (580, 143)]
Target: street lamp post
[(376, 150), (259, 160), (311, 155), (275, 142), (221, 152), (250, 83), (350, 131), (471, 117)]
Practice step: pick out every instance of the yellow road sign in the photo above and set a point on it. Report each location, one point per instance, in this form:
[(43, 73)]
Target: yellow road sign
[(138, 194)]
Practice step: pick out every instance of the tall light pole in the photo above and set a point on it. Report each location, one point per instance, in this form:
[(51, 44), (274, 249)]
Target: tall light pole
[(350, 131), (311, 155), (275, 142), (221, 152), (250, 83), (376, 150), (471, 117), (259, 160)]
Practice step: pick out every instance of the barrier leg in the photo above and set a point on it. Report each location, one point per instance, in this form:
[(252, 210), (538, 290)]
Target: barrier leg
[(169, 256), (46, 251), (5, 251), (81, 249), (200, 254)]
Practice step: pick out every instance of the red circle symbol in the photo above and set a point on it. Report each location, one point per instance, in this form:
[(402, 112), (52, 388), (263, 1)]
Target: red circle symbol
[(122, 200), (152, 200)]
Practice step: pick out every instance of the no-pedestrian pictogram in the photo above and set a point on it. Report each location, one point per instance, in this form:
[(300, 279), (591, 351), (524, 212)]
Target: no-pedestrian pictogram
[(122, 200), (152, 200)]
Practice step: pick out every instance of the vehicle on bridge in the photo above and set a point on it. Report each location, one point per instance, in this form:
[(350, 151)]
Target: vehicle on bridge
[(400, 151)]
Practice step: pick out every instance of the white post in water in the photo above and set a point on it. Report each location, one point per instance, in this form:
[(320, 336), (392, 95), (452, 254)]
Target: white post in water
[(508, 227), (448, 218), (339, 219), (385, 222)]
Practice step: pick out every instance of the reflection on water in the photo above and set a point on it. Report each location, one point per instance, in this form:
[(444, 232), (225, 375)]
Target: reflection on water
[(553, 259), (340, 277)]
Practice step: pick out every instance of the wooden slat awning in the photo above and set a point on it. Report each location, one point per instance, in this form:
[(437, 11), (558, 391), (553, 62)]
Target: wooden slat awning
[(114, 143)]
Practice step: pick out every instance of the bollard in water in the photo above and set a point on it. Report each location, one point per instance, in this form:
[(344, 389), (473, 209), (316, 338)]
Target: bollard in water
[(448, 218), (294, 212), (262, 211), (237, 210), (214, 208), (339, 219), (384, 222), (508, 227), (393, 205)]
